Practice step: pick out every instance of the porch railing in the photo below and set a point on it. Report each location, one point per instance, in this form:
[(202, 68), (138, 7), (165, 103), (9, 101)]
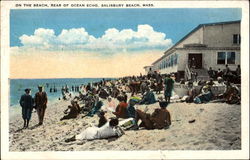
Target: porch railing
[(187, 73)]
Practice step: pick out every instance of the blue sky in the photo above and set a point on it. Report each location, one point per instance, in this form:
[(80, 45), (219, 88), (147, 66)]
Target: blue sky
[(174, 23)]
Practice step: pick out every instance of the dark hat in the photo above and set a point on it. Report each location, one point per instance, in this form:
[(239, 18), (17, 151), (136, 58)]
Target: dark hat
[(163, 104), (40, 86), (27, 90)]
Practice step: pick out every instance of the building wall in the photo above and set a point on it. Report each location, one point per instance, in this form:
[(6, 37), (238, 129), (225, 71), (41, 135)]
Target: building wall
[(221, 35), (196, 37), (210, 59), (167, 65)]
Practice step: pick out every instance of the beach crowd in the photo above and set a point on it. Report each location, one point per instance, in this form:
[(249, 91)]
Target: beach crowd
[(129, 92)]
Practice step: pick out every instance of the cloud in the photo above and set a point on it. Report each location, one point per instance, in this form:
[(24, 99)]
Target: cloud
[(113, 40)]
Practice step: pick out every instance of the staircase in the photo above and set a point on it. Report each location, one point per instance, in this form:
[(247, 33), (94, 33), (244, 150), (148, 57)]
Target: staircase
[(202, 74)]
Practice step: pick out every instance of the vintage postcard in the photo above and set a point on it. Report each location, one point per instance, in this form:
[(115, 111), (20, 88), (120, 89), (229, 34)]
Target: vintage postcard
[(124, 80)]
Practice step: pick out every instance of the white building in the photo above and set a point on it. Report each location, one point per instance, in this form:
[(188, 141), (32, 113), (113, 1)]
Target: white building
[(211, 45)]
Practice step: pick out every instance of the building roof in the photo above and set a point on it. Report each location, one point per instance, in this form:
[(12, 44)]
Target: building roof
[(194, 30)]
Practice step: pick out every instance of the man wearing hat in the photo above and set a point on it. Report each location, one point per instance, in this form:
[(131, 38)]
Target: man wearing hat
[(41, 103), (26, 103)]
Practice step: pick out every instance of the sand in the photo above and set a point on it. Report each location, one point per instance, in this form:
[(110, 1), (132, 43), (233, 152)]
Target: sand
[(215, 126)]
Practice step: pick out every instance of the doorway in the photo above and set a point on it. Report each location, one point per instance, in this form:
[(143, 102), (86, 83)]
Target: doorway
[(195, 60)]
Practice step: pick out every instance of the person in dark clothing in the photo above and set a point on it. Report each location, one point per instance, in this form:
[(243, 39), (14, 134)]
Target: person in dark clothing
[(103, 94), (96, 108), (131, 109), (193, 63), (41, 103), (211, 73), (238, 71), (219, 73), (148, 97), (169, 85), (102, 119), (26, 103), (74, 111)]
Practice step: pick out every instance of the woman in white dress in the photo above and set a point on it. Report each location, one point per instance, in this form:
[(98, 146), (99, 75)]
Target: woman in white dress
[(110, 129)]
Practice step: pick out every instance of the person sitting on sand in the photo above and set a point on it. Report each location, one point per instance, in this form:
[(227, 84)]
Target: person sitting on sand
[(205, 95), (231, 94), (148, 97), (131, 109), (210, 82), (110, 105), (102, 119), (96, 108), (74, 111), (110, 129), (103, 94), (26, 103), (121, 109), (159, 119), (191, 93)]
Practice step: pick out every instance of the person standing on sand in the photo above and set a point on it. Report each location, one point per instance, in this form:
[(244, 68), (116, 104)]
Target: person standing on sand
[(26, 102), (41, 103), (169, 85)]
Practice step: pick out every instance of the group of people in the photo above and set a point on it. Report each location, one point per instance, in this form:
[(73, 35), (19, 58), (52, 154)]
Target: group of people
[(227, 74), (204, 92), (143, 89), (28, 103)]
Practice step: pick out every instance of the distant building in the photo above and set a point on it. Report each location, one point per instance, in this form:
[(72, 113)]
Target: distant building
[(208, 45)]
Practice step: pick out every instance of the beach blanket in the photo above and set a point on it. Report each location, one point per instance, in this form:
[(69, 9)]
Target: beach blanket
[(127, 123)]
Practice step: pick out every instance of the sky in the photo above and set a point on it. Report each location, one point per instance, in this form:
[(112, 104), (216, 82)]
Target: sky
[(78, 43)]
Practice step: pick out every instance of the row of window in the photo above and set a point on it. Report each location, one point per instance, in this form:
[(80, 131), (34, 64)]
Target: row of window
[(170, 61), (222, 58), (226, 58)]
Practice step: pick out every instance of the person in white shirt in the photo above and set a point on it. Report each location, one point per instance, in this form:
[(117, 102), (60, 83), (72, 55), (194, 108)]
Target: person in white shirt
[(110, 129)]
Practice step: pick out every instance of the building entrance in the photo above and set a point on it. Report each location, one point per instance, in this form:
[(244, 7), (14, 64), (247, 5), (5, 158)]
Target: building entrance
[(195, 60)]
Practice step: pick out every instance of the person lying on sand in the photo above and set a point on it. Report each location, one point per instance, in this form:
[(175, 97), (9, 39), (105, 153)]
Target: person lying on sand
[(74, 110), (159, 119), (110, 129)]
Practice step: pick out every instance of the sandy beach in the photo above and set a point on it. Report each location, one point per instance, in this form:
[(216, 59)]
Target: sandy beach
[(215, 126)]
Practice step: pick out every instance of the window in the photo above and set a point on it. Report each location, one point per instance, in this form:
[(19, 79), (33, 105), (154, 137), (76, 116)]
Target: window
[(226, 58), (236, 39), (230, 57), (221, 58)]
